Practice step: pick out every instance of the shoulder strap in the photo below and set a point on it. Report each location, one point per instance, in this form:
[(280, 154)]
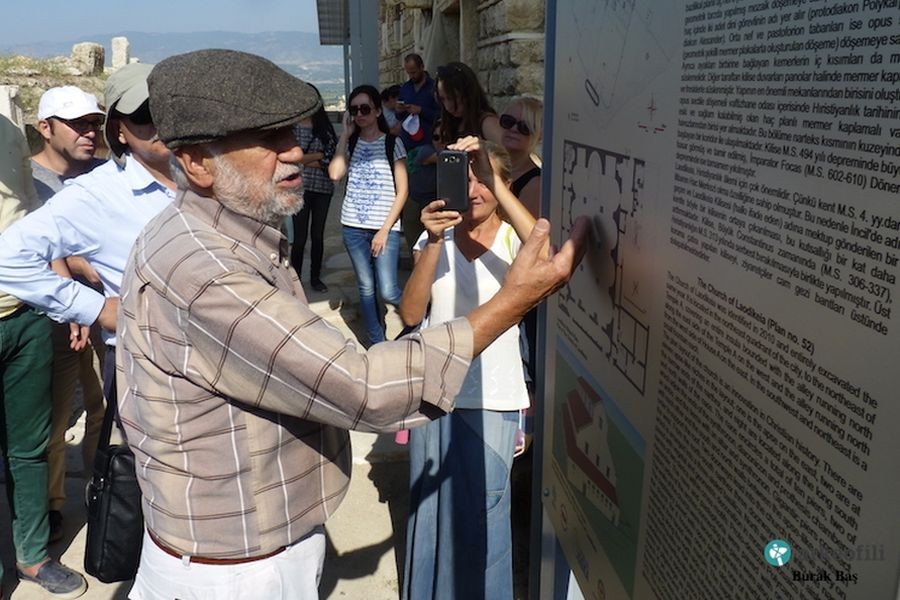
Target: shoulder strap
[(109, 416), (522, 180), (390, 142), (351, 144)]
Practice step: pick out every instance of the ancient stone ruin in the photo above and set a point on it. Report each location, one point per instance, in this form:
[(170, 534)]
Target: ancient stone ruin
[(88, 57)]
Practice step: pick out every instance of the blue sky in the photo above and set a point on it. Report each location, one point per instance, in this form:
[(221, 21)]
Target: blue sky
[(65, 20)]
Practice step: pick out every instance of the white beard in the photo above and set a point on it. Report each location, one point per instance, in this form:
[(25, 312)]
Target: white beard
[(267, 204)]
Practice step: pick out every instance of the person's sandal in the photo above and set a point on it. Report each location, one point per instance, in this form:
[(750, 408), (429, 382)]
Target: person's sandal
[(319, 286), (56, 579)]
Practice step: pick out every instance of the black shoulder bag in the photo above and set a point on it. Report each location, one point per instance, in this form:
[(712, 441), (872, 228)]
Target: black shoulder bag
[(115, 522)]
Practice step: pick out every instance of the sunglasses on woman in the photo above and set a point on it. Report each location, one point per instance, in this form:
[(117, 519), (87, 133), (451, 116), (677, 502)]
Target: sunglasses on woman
[(362, 109), (509, 121)]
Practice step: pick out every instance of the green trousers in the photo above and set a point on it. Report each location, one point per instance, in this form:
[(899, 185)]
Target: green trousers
[(26, 357)]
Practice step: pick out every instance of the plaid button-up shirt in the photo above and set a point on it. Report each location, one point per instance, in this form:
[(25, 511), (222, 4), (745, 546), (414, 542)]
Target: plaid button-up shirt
[(236, 397)]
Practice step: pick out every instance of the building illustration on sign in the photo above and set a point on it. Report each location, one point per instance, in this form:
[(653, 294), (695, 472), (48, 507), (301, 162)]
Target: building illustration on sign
[(590, 468), (598, 464)]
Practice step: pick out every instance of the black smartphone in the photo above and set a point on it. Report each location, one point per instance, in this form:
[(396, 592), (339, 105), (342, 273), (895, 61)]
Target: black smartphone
[(453, 179)]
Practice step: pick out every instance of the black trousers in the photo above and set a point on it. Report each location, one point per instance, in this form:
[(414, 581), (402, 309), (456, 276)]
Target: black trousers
[(310, 221)]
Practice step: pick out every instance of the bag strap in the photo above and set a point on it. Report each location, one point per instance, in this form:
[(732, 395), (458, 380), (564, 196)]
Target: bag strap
[(351, 145), (112, 411), (390, 142)]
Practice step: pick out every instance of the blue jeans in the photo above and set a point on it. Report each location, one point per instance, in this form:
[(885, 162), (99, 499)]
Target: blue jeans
[(459, 539), (371, 270)]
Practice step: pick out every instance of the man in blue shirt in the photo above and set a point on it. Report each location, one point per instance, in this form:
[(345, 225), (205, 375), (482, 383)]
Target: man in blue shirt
[(97, 216), (417, 98)]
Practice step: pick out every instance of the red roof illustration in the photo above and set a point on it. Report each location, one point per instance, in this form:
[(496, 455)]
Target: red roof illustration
[(581, 460), (592, 396)]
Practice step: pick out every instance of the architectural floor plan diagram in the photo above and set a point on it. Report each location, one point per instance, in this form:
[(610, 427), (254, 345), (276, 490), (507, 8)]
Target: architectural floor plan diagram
[(604, 307)]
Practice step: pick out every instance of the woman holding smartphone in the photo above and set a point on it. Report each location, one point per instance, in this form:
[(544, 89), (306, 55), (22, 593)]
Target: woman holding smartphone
[(458, 535), (374, 162)]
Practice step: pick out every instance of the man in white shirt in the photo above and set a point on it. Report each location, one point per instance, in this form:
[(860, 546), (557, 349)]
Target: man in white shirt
[(69, 121), (96, 216)]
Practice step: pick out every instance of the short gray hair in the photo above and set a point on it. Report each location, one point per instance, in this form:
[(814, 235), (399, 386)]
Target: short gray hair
[(178, 174), (211, 149)]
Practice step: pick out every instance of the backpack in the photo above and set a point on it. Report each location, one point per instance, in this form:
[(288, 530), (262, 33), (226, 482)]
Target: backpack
[(390, 142)]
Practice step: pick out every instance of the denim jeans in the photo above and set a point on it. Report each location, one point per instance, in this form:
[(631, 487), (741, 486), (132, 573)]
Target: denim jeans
[(26, 354), (459, 540), (372, 271)]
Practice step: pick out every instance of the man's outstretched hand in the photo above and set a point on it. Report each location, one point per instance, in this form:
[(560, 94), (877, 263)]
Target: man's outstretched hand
[(536, 273)]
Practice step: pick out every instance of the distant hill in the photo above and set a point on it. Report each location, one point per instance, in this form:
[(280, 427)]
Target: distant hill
[(295, 51)]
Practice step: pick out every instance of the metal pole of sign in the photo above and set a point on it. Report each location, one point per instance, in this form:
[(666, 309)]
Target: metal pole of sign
[(538, 521)]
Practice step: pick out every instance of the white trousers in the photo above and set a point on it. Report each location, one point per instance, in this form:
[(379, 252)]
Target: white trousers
[(290, 575)]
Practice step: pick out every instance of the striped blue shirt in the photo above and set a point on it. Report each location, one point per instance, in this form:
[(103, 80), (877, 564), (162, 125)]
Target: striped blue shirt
[(370, 185)]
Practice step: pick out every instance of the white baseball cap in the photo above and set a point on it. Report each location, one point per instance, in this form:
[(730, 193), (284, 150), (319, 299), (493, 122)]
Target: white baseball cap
[(412, 126), (67, 102)]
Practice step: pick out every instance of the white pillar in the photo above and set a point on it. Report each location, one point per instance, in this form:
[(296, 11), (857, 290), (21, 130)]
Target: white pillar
[(120, 52)]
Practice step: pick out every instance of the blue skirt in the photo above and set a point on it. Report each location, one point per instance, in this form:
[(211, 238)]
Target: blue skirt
[(458, 538)]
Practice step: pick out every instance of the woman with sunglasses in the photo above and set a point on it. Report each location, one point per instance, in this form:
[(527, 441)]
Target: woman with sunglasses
[(464, 105), (459, 533), (522, 125), (373, 201)]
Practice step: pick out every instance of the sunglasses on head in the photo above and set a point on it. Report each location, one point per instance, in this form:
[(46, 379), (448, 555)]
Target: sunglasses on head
[(81, 125), (362, 109), (509, 121)]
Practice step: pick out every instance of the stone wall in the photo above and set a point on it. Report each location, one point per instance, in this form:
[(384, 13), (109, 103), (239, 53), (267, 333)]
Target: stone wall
[(503, 40)]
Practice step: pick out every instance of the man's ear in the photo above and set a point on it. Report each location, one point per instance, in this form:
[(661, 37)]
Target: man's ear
[(119, 134), (196, 166), (45, 129)]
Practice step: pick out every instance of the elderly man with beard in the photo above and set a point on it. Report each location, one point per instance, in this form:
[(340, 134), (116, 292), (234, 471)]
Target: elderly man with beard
[(235, 396)]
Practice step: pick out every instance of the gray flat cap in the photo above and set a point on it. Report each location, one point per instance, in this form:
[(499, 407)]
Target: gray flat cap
[(203, 96)]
